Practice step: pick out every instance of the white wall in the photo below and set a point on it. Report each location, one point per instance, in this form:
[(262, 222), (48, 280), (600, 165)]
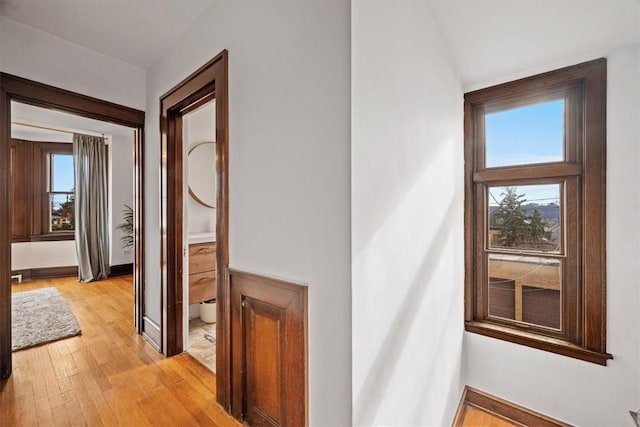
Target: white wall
[(29, 255), (407, 217), (120, 193), (36, 55), (289, 163), (574, 391)]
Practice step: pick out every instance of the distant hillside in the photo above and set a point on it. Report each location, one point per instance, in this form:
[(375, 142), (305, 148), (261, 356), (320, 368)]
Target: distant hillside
[(550, 212)]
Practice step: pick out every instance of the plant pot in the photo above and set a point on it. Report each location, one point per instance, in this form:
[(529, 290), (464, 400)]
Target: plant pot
[(208, 311)]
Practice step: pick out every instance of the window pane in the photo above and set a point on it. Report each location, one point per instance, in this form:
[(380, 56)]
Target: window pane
[(526, 217), (62, 172), (502, 297), (525, 135), (541, 306), (525, 289), (62, 212)]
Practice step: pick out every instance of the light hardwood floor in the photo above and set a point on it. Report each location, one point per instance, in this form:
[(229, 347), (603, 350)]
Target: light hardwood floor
[(476, 417), (108, 375)]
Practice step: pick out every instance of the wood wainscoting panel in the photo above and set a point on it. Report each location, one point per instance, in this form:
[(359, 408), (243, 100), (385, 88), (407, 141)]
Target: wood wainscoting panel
[(268, 351), (264, 343)]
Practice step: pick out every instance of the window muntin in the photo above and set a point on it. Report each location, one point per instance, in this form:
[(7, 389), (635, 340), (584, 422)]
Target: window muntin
[(562, 311)]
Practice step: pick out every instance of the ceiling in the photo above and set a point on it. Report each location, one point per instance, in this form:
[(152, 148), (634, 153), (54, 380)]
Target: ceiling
[(487, 39), (42, 117), (135, 31), (491, 39)]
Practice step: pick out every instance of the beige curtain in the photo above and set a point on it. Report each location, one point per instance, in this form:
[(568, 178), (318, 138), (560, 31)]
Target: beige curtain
[(92, 227)]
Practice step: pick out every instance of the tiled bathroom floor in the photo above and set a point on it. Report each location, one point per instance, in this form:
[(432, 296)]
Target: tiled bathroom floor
[(202, 349)]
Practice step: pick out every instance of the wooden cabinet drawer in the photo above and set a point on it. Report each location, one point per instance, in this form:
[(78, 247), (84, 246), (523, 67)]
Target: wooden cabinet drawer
[(202, 257), (202, 286)]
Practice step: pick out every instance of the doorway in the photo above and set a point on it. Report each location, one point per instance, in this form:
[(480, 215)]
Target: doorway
[(43, 192), (199, 224), (203, 86), (30, 93)]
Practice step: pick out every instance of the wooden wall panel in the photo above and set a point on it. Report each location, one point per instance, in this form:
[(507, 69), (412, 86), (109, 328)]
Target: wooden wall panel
[(268, 351), (21, 190), (264, 343)]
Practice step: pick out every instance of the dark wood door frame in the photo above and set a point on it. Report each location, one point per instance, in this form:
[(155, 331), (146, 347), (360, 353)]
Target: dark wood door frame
[(13, 88), (207, 82)]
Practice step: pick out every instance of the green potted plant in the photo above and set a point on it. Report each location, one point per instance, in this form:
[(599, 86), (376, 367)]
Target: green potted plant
[(126, 227)]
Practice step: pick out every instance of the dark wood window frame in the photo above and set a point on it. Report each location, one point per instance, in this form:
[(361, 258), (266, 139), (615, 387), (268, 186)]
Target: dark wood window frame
[(42, 154), (582, 173), (31, 193)]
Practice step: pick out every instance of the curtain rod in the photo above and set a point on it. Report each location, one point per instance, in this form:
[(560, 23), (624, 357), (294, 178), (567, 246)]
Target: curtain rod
[(51, 129)]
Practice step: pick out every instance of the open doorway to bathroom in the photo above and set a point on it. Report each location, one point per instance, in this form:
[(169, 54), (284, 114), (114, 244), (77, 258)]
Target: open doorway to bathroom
[(199, 224)]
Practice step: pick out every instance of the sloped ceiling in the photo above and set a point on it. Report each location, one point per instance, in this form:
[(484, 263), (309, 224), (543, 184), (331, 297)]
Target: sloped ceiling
[(134, 31), (487, 39), (490, 39)]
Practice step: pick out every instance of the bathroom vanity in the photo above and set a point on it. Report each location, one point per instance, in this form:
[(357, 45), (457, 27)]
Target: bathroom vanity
[(202, 272)]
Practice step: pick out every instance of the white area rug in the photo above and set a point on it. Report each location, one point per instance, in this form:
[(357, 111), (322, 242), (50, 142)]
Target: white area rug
[(40, 316)]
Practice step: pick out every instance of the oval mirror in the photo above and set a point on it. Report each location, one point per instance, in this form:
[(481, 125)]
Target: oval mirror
[(202, 173)]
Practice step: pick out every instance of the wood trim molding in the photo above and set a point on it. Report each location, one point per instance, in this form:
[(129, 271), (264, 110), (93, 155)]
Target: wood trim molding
[(43, 95), (208, 81), (503, 409), (46, 272), (67, 271), (151, 332), (14, 88), (121, 269), (537, 341)]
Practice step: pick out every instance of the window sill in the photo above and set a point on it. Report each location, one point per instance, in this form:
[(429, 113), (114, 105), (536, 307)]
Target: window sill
[(529, 339), (52, 237)]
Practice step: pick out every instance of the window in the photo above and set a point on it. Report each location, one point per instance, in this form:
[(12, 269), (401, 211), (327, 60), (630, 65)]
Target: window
[(60, 191), (42, 181), (53, 202), (535, 211)]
